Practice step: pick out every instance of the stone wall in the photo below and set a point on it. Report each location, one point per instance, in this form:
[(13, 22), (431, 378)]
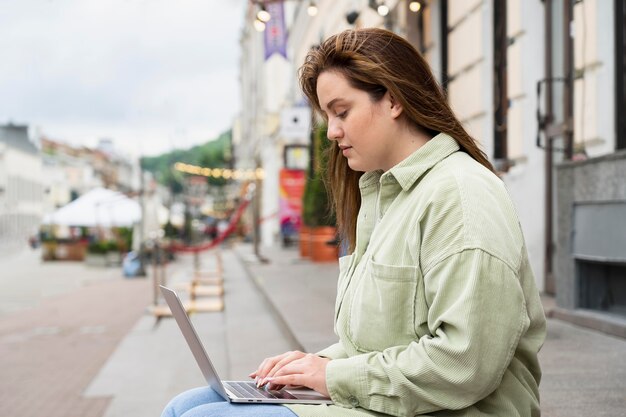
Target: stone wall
[(601, 179)]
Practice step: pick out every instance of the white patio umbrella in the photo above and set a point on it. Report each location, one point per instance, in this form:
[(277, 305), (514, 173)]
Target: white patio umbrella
[(97, 208)]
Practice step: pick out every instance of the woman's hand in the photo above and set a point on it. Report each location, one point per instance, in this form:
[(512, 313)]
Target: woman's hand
[(270, 366), (293, 368)]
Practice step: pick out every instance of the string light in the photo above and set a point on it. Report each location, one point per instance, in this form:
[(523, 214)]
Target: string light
[(259, 25), (383, 10), (236, 174), (415, 6), (263, 15)]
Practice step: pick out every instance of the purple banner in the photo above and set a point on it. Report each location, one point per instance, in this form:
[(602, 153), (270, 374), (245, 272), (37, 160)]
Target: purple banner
[(275, 32)]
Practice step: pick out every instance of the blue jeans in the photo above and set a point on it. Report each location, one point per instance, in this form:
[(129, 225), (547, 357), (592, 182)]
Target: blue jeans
[(204, 402)]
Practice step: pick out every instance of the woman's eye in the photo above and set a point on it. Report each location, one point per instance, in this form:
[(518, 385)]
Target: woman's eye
[(343, 114)]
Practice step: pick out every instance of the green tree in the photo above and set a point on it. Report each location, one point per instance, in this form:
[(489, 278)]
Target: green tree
[(212, 154)]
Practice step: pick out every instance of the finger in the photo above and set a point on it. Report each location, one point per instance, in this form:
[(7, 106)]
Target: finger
[(267, 364), (295, 367), (284, 362), (291, 379), (293, 356), (260, 373), (274, 387)]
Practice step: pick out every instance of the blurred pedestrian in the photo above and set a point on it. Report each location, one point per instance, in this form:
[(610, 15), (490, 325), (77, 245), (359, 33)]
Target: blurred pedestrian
[(33, 241), (437, 309)]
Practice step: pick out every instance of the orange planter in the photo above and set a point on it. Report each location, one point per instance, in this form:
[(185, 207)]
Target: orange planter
[(305, 241), (320, 250)]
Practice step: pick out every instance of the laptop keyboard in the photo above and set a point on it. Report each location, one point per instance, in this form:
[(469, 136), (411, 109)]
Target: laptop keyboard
[(250, 390)]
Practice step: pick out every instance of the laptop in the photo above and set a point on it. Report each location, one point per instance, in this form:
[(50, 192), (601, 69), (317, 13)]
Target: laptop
[(233, 391)]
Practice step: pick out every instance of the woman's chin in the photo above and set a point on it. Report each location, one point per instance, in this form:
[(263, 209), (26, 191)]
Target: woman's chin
[(355, 166)]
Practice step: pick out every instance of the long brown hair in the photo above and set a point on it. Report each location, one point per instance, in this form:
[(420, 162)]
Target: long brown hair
[(378, 61)]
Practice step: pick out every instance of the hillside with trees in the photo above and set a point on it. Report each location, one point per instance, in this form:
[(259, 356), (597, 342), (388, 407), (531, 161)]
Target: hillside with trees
[(216, 153)]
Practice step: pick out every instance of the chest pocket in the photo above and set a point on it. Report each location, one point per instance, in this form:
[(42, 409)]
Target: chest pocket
[(382, 313)]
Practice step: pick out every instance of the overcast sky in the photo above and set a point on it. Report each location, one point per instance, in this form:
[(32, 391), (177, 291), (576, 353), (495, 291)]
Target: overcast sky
[(149, 74)]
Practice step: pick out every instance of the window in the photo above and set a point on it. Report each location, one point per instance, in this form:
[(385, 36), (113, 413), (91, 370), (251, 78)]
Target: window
[(620, 73), (500, 94)]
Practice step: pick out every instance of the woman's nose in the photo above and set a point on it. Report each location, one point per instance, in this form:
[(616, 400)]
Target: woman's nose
[(333, 132)]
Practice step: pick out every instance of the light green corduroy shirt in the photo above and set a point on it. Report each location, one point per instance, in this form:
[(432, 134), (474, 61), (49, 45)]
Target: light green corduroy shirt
[(437, 311)]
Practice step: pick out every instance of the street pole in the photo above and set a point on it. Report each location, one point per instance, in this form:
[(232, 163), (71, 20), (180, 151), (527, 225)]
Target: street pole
[(142, 204), (256, 218)]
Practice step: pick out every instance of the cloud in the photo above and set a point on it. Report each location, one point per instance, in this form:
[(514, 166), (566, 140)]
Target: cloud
[(132, 67)]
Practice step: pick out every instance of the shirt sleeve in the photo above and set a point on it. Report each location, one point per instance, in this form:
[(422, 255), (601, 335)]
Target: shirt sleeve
[(476, 317), (335, 351)]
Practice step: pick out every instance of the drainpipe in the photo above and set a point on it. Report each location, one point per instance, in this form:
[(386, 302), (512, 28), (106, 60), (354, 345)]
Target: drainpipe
[(568, 92), (546, 123), (549, 284)]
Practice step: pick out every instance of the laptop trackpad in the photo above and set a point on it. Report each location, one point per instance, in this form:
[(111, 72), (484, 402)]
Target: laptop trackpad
[(305, 394)]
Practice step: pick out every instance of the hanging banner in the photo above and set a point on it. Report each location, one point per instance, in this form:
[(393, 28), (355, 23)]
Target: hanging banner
[(291, 184), (275, 32)]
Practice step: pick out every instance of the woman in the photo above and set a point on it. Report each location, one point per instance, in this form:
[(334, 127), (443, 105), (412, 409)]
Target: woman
[(437, 312)]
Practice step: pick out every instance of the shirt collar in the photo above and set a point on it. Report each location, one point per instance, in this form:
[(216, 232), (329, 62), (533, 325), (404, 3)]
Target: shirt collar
[(409, 170)]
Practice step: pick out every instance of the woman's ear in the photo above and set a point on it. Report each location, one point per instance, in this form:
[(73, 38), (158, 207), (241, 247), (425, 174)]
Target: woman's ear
[(395, 106)]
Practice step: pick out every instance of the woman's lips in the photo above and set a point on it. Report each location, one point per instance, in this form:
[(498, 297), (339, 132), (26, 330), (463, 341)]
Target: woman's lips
[(345, 149)]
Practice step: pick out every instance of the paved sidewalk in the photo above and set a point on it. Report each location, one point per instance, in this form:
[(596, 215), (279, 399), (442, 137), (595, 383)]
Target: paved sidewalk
[(61, 322), (301, 292), (584, 373), (79, 342)]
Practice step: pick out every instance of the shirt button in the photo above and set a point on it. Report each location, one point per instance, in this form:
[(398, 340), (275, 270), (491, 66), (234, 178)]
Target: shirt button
[(354, 401)]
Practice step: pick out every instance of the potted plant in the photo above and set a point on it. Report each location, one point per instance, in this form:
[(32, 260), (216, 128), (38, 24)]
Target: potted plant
[(305, 228), (317, 212), (97, 254)]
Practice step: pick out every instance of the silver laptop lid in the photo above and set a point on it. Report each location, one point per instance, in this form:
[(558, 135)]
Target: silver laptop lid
[(189, 332)]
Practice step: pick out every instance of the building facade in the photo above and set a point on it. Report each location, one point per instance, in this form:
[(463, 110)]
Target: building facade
[(21, 186), (540, 84), (71, 171), (265, 86), (68, 173)]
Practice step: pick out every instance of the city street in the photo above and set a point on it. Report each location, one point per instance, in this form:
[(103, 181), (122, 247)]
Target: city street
[(127, 127), (85, 344)]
